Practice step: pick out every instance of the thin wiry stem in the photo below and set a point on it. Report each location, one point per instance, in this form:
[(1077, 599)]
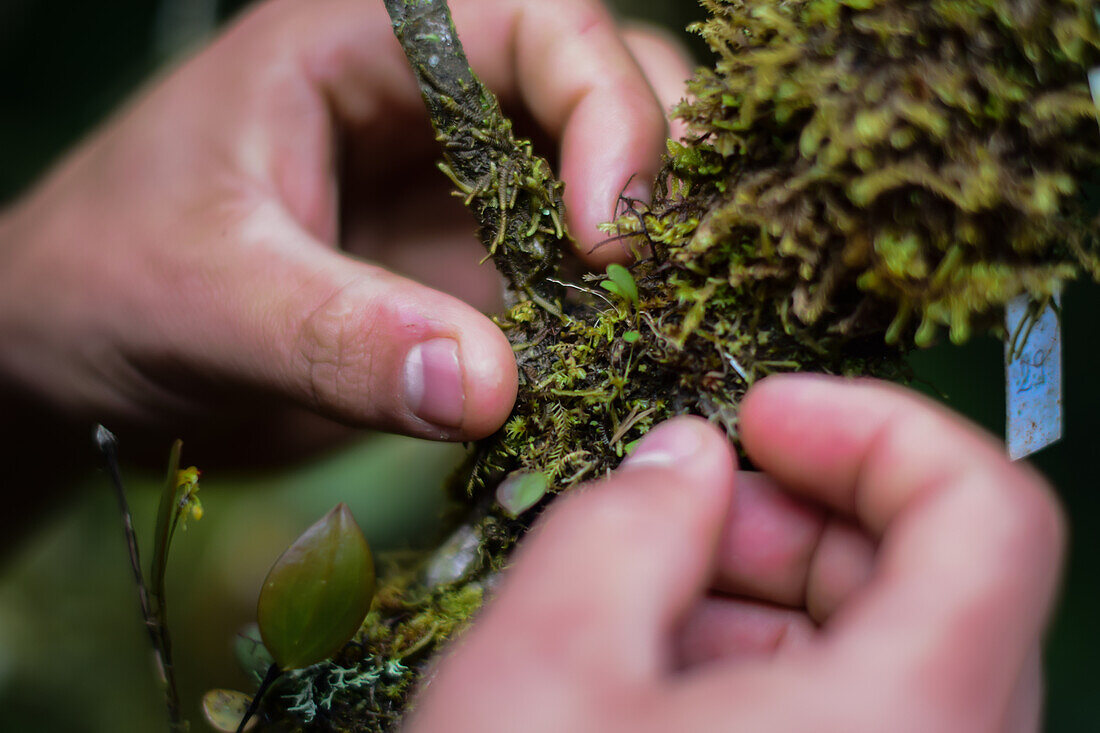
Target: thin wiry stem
[(273, 674), (107, 444)]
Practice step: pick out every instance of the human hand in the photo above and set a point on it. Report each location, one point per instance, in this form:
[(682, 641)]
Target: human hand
[(185, 262), (902, 584)]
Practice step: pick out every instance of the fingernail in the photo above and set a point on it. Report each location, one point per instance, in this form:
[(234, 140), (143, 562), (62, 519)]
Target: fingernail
[(433, 382), (666, 445)]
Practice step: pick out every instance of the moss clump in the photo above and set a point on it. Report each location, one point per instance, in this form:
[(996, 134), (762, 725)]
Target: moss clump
[(860, 173), (879, 164)]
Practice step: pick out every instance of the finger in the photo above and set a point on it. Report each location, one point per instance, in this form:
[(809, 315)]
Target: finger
[(419, 231), (971, 547), (841, 566), (1025, 711), (768, 542), (347, 339), (582, 84), (780, 549), (600, 585), (725, 629), (868, 457), (565, 60), (667, 65)]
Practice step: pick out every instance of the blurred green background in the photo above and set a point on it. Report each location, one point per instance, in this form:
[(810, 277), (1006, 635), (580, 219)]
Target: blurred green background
[(72, 654)]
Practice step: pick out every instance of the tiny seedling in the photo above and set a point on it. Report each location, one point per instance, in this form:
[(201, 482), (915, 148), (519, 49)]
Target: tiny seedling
[(621, 283)]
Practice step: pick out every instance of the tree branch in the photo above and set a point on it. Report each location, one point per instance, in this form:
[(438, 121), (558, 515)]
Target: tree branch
[(512, 192)]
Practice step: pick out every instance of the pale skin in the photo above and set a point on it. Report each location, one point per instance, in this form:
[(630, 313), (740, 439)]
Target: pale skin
[(200, 258)]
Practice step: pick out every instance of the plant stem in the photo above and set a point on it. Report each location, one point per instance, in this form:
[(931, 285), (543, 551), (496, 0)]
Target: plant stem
[(168, 507), (158, 633), (273, 673)]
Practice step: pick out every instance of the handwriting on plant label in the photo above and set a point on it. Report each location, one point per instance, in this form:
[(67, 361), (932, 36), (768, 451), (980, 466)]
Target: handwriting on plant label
[(1033, 371)]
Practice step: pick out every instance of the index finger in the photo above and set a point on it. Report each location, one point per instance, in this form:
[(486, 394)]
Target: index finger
[(971, 543), (570, 64), (566, 61)]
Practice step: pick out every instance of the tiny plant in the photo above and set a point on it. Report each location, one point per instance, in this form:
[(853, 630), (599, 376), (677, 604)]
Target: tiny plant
[(178, 502), (313, 602), (621, 283), (317, 593)]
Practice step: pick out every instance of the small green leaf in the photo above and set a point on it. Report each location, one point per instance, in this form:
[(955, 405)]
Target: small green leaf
[(166, 513), (612, 288), (252, 655), (225, 708), (624, 281), (318, 592), (521, 491), (631, 336)]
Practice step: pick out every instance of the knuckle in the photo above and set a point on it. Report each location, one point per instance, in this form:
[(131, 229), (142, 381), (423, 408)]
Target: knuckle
[(331, 344)]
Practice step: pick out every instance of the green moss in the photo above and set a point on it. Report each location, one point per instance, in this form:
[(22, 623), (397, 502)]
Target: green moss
[(904, 163)]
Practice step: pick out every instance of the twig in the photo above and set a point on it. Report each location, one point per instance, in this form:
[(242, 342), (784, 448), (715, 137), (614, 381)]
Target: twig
[(107, 444), (512, 192)]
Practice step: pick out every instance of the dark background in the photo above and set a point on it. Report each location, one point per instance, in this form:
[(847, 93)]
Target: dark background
[(72, 654)]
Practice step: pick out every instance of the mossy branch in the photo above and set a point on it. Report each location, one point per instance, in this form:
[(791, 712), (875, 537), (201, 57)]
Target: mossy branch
[(860, 174), (512, 192)]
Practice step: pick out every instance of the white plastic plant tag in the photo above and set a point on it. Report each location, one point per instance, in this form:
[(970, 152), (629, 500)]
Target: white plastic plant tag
[(1033, 362), (1033, 376)]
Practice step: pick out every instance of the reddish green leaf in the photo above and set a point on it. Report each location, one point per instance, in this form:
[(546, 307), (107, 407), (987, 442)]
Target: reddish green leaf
[(318, 592)]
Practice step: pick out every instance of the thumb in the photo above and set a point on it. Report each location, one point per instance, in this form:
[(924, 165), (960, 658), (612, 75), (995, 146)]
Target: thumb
[(348, 339)]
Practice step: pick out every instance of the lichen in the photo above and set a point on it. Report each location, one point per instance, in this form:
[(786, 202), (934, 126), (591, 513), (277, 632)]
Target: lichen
[(860, 175)]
